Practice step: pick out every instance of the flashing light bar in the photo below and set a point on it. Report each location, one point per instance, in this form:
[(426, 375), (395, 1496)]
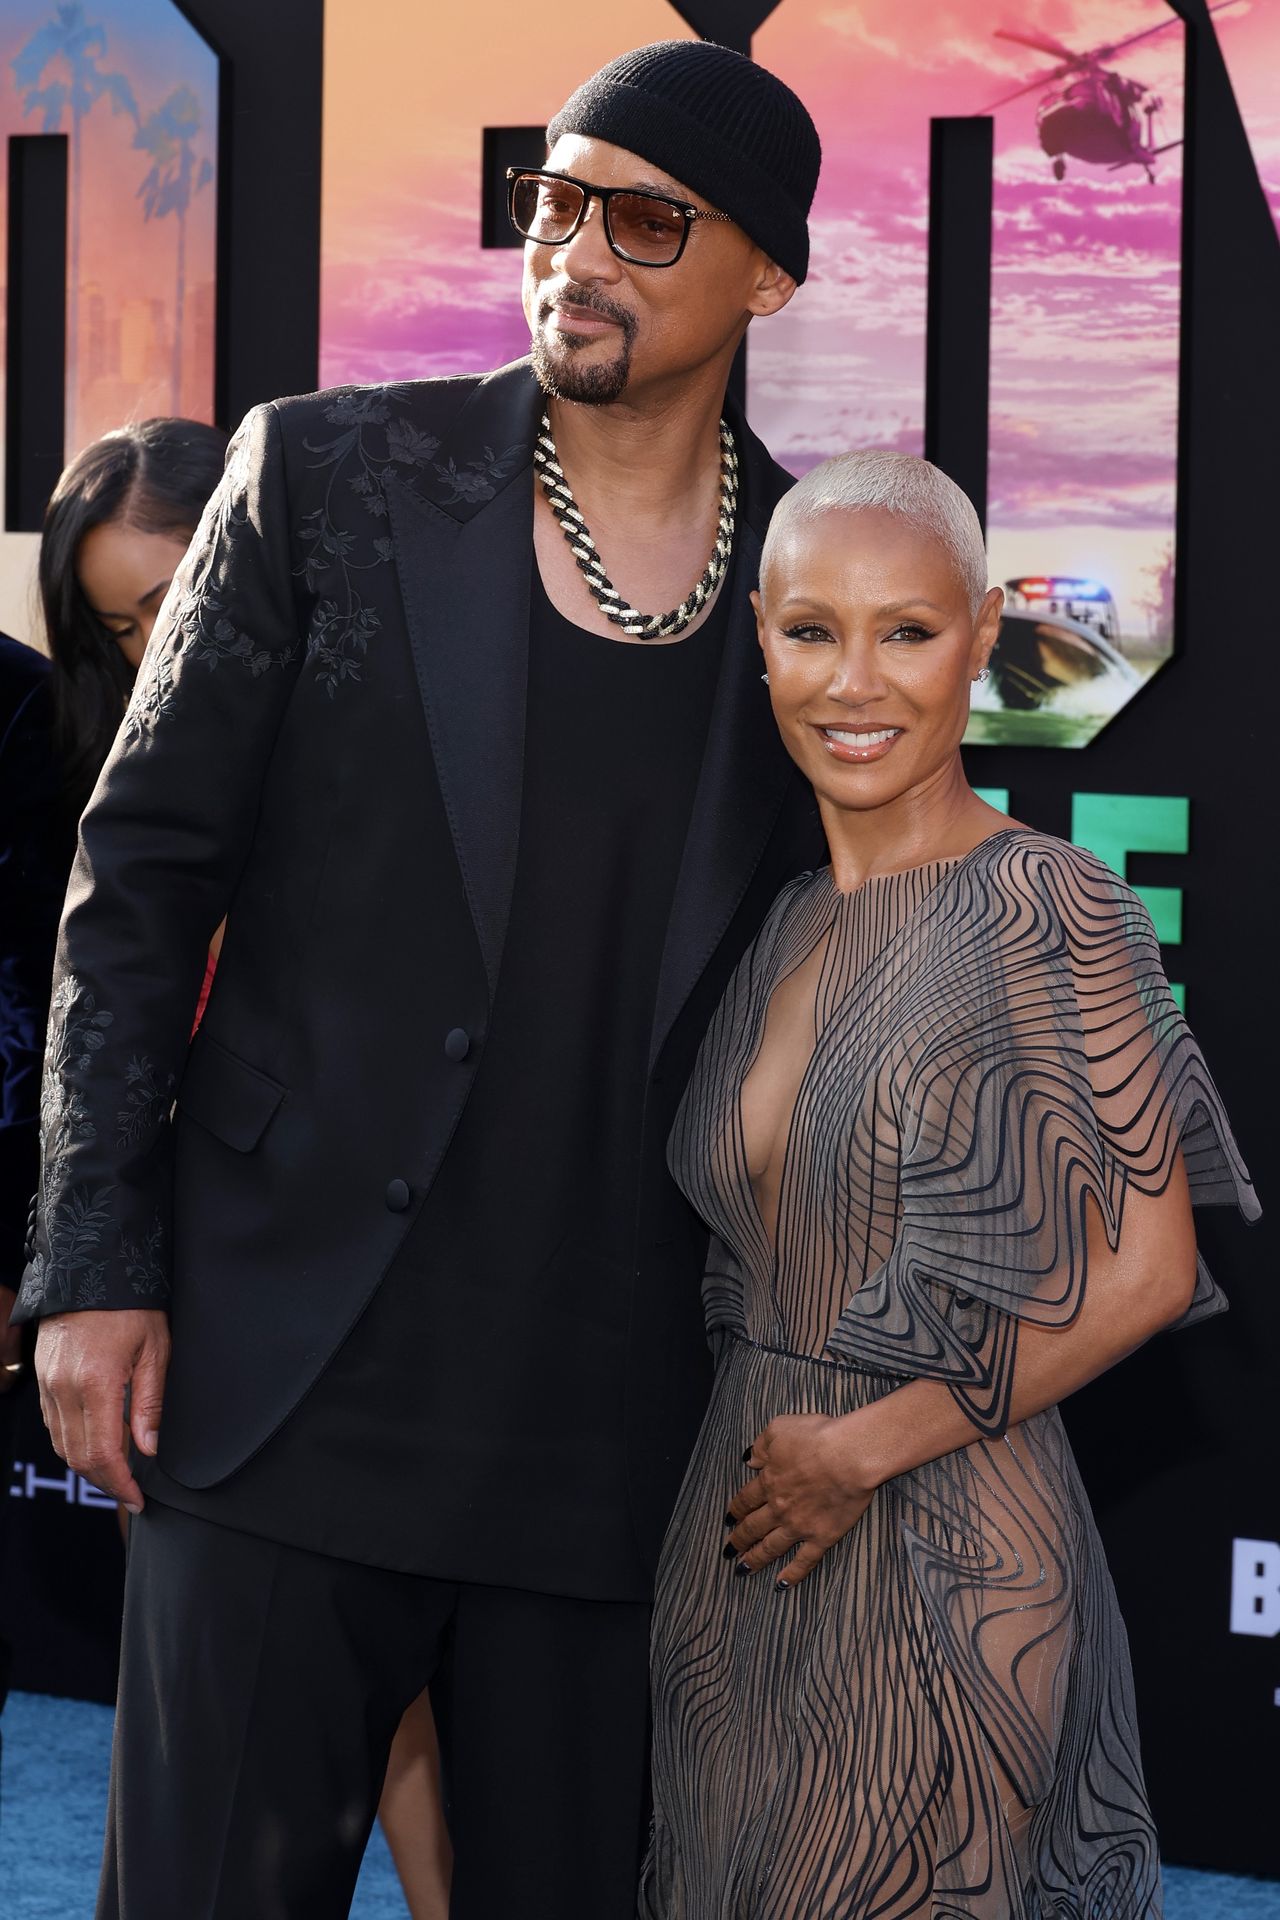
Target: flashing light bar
[(1058, 587)]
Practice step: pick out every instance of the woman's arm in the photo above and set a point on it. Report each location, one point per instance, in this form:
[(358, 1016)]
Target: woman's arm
[(815, 1476)]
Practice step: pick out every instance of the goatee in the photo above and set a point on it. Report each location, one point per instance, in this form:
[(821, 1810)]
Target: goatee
[(557, 358), (562, 377)]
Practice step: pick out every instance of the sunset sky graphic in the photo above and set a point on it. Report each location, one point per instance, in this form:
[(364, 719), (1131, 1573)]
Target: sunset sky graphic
[(1085, 272)]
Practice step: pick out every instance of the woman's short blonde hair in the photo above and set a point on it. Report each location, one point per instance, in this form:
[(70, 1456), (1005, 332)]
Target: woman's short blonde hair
[(898, 483)]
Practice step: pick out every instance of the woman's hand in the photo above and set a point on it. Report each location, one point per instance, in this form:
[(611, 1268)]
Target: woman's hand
[(808, 1491)]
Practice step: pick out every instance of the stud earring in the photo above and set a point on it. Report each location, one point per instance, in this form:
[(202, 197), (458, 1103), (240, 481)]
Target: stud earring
[(765, 678), (984, 673)]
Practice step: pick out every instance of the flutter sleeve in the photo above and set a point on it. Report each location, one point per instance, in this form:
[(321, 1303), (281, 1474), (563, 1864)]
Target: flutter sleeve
[(1050, 1069)]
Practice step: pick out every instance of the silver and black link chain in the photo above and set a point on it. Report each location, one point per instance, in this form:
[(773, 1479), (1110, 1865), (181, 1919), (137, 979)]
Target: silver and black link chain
[(639, 626)]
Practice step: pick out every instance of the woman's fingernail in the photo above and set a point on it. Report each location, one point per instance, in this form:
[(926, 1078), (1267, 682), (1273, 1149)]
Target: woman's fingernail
[(783, 1586), (729, 1520), (731, 1552), (150, 1441), (746, 1458), (130, 1508), (742, 1567)]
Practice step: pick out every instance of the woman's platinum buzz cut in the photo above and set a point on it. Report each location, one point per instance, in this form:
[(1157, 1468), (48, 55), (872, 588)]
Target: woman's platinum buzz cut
[(898, 483)]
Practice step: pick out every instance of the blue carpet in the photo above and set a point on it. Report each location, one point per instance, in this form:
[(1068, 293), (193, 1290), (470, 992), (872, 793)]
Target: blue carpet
[(53, 1792)]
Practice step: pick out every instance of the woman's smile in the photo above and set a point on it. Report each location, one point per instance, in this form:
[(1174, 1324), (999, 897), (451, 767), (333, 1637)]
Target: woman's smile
[(859, 744)]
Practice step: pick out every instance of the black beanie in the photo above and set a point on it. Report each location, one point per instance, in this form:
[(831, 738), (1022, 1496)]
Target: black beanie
[(717, 122)]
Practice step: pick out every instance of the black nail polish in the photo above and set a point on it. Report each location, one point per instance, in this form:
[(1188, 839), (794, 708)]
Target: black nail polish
[(729, 1520), (731, 1552), (741, 1568), (746, 1458), (783, 1586)]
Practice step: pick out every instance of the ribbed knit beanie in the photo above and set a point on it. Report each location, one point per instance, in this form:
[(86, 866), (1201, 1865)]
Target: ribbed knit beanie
[(717, 122)]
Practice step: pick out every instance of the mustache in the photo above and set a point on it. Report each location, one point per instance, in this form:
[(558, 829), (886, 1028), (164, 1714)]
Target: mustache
[(574, 295)]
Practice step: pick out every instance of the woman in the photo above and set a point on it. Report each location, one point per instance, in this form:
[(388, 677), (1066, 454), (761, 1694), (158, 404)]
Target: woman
[(946, 1130), (120, 520)]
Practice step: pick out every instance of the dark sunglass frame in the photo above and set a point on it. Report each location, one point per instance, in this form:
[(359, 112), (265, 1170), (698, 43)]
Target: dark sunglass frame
[(605, 195)]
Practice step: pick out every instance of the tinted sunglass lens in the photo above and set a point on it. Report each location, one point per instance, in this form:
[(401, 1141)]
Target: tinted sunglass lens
[(544, 210), (646, 229)]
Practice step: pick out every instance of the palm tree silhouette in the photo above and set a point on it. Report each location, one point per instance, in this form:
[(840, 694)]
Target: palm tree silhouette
[(168, 135), (58, 68)]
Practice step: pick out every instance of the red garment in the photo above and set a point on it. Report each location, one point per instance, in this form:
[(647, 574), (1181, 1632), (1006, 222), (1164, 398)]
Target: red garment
[(203, 1001)]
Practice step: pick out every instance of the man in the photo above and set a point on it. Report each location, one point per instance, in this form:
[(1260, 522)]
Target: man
[(488, 855)]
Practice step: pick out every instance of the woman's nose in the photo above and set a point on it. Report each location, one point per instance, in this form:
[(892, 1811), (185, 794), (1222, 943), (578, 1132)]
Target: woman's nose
[(856, 676)]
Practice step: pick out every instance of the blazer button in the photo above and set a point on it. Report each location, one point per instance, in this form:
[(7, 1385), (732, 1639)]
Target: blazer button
[(398, 1197), (457, 1044)]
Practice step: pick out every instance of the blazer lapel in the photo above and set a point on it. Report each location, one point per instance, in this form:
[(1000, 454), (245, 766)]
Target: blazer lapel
[(464, 561), (744, 781), (464, 552)]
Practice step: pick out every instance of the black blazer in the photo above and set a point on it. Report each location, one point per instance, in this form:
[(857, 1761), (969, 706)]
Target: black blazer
[(345, 651), (35, 854)]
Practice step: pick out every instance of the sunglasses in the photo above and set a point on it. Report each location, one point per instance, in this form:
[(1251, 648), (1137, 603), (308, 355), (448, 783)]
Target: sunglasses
[(642, 228)]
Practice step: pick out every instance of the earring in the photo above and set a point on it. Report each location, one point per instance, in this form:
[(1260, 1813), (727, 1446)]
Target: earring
[(765, 678), (984, 673)]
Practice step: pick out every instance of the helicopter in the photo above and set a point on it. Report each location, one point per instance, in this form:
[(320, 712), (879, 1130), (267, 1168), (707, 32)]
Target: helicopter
[(1096, 114)]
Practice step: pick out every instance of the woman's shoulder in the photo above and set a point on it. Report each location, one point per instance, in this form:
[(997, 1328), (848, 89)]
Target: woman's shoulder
[(1076, 894), (803, 887)]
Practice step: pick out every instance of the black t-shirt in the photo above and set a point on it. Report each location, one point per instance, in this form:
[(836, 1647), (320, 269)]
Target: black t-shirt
[(471, 1426)]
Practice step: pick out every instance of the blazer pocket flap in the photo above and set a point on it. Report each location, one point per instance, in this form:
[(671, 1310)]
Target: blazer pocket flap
[(225, 1094)]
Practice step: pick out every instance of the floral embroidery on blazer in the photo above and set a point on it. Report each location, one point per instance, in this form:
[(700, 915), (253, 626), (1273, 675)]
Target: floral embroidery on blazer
[(284, 583)]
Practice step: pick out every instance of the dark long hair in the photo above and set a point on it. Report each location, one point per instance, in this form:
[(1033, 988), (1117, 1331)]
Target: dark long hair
[(155, 475)]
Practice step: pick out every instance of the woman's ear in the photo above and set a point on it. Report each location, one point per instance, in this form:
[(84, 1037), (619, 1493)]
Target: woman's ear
[(758, 608), (986, 628)]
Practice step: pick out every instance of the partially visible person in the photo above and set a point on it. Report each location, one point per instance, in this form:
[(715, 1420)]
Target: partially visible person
[(947, 1129), (35, 853), (121, 518)]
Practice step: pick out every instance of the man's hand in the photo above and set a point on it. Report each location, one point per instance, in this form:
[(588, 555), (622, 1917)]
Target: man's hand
[(10, 1342), (84, 1363)]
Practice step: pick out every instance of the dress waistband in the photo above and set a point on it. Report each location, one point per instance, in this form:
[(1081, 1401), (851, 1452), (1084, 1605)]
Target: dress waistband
[(811, 1359)]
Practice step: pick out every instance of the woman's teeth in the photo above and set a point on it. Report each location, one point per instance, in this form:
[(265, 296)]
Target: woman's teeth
[(861, 739)]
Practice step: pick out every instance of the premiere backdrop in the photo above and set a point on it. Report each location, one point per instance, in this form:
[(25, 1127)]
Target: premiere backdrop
[(258, 201)]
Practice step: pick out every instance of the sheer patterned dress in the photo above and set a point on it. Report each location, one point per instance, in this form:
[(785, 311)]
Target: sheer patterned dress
[(939, 1720)]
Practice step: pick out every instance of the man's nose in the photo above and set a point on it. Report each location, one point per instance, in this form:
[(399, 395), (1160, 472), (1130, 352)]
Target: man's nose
[(588, 255)]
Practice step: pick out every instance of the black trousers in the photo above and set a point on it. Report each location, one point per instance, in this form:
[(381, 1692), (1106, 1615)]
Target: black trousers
[(261, 1687)]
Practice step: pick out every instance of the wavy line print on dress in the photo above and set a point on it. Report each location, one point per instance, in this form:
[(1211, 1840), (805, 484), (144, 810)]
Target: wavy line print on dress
[(940, 1719)]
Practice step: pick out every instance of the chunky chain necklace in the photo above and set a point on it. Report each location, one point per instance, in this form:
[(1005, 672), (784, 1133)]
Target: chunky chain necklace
[(642, 626)]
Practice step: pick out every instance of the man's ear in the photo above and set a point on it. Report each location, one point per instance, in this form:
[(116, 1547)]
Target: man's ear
[(772, 290)]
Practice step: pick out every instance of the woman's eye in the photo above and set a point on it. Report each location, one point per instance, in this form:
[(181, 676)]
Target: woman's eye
[(910, 632), (807, 633)]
